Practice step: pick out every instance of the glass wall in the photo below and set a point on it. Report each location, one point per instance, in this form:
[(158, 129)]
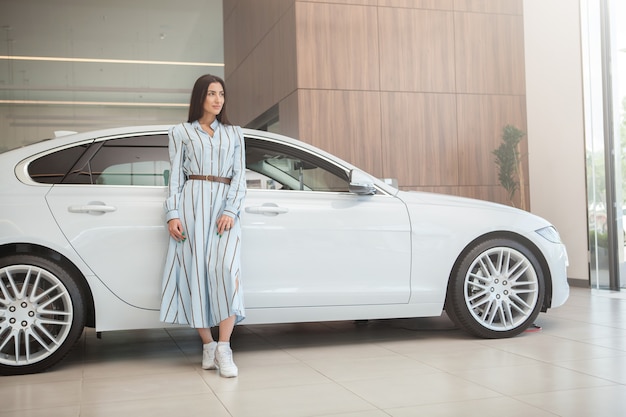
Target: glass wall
[(604, 71)]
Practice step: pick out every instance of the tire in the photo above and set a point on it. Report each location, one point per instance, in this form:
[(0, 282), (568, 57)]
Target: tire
[(42, 314), (497, 289)]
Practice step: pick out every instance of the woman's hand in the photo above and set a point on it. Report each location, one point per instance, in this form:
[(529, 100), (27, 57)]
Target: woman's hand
[(224, 223), (175, 227)]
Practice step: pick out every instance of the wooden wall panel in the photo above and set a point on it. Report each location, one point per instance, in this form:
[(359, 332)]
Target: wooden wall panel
[(228, 6), (267, 74), (489, 53), (481, 119), (416, 50), (490, 6), (344, 123), (353, 2), (337, 46), (288, 111), (419, 4), (417, 90), (246, 24), (419, 139)]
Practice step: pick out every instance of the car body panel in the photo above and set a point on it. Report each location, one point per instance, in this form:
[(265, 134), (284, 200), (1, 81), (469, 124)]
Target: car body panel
[(329, 256), (124, 247), (326, 249)]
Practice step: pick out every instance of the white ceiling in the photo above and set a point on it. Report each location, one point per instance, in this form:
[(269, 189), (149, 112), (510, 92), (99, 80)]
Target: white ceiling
[(146, 30)]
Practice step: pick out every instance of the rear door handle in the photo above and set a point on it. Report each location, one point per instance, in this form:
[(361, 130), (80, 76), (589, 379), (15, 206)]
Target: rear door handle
[(91, 208)]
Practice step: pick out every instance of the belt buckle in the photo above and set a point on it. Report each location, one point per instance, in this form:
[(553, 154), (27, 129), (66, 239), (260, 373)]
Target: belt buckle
[(207, 178)]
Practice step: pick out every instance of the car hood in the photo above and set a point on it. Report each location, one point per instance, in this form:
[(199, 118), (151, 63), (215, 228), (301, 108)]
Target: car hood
[(473, 210)]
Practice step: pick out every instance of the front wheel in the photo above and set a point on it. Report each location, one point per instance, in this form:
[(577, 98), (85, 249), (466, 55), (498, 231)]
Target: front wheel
[(41, 314), (497, 289)]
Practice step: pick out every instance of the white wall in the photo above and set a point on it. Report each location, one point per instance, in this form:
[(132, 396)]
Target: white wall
[(556, 143)]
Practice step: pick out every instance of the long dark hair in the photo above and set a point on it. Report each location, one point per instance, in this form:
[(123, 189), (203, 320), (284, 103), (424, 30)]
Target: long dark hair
[(198, 95)]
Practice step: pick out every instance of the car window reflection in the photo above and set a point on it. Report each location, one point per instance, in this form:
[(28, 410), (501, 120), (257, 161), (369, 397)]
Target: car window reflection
[(279, 167)]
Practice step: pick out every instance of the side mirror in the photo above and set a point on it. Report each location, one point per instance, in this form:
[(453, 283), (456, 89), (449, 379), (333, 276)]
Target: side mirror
[(361, 183)]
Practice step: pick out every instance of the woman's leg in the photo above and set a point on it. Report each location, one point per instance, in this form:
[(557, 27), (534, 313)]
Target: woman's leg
[(226, 328), (223, 353), (208, 349), (205, 335)]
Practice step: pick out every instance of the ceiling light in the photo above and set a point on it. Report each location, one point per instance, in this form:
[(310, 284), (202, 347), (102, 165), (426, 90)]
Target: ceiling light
[(109, 61), (93, 103)]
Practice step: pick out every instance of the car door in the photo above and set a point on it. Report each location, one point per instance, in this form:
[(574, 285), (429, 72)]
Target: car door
[(308, 241), (110, 208)]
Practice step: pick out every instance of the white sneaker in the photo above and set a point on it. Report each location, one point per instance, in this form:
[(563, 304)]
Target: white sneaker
[(208, 356), (224, 361)]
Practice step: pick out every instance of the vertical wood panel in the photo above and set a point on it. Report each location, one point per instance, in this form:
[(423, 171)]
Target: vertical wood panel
[(405, 89), (419, 4), (337, 46), (246, 24), (288, 111), (419, 138), (267, 74), (481, 119), (489, 53), (353, 2), (344, 123), (490, 6), (416, 50)]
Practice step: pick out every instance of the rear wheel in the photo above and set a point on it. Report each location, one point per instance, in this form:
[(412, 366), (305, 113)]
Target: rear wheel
[(497, 289), (41, 314)]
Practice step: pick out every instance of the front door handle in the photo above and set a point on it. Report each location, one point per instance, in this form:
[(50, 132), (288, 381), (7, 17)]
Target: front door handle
[(269, 209)]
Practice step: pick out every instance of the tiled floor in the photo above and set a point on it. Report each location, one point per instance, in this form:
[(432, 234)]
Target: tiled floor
[(574, 366)]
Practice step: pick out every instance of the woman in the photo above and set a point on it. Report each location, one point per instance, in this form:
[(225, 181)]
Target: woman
[(201, 281)]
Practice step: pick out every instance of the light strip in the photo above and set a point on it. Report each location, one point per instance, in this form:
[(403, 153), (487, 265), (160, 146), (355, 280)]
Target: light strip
[(109, 61), (93, 103)]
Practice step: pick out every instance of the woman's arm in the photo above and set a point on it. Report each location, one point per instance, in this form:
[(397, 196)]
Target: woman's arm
[(177, 176), (237, 190)]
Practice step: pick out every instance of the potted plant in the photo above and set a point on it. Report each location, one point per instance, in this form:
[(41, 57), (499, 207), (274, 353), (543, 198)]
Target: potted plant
[(509, 162)]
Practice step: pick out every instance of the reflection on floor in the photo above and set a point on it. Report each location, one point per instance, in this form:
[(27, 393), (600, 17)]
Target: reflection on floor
[(574, 366)]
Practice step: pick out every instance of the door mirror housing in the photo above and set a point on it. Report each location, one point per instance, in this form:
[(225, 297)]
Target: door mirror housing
[(361, 183)]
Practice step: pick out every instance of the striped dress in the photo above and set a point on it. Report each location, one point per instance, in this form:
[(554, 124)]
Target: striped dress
[(202, 278)]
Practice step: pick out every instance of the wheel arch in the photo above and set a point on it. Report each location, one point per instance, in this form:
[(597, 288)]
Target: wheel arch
[(545, 269), (45, 252)]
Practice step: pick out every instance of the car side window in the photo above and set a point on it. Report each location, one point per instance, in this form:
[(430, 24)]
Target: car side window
[(276, 166), (53, 167), (138, 161)]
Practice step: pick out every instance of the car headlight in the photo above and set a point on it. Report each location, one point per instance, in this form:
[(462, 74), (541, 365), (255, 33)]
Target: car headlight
[(549, 233)]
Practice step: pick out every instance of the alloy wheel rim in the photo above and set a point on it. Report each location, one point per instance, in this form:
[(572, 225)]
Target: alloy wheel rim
[(501, 289), (36, 314)]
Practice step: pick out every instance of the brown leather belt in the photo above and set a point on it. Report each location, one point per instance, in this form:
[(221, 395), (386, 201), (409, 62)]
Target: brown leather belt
[(209, 178)]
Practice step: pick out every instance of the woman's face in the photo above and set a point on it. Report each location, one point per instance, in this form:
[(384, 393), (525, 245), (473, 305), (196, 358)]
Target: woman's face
[(214, 99)]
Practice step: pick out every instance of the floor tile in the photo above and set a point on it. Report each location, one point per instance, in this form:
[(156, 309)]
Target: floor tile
[(575, 365), (168, 406), (145, 387), (39, 395), (528, 379), (306, 400), (70, 411), (597, 401), (488, 407), (404, 391)]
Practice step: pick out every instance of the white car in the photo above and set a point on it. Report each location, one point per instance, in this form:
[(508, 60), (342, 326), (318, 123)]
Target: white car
[(83, 242)]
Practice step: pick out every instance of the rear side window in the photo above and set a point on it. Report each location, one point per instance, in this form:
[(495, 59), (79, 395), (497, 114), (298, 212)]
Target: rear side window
[(52, 168), (137, 160)]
